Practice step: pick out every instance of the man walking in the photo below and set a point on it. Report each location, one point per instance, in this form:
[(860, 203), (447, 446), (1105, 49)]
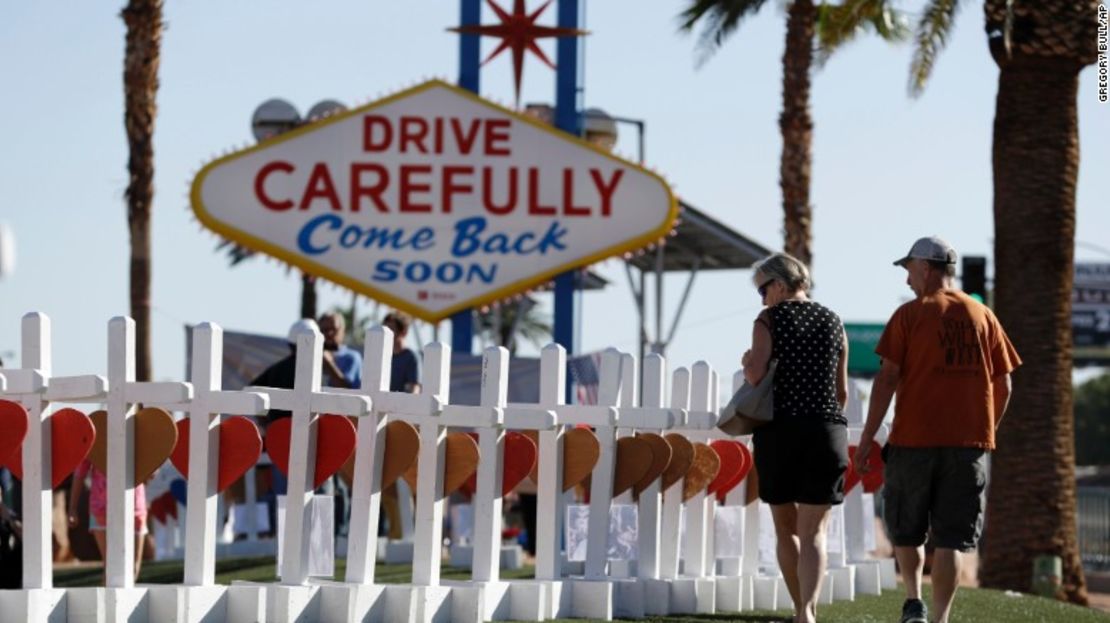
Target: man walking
[(948, 359)]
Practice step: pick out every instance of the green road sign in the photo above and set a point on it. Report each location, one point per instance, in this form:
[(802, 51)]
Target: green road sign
[(863, 337)]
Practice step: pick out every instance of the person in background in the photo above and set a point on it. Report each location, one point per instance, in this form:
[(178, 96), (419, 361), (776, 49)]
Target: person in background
[(342, 364), (405, 375), (948, 359), (11, 548), (281, 375), (342, 368), (98, 510)]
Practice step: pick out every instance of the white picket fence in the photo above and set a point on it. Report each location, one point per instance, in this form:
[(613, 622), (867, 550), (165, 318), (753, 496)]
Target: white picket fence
[(670, 575)]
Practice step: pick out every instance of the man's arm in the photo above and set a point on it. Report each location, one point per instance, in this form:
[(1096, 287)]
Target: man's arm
[(336, 378), (882, 391), (1001, 387)]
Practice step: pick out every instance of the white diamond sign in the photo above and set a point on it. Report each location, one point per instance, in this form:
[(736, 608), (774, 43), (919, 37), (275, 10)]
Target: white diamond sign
[(433, 200)]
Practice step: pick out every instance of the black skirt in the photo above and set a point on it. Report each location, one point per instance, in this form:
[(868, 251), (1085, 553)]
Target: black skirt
[(801, 460)]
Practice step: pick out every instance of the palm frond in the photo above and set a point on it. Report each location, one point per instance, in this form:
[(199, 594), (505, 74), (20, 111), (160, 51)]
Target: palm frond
[(718, 20), (235, 252), (932, 35), (511, 322), (839, 24)]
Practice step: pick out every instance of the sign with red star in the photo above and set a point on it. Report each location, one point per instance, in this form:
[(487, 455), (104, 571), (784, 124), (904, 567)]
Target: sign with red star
[(518, 32)]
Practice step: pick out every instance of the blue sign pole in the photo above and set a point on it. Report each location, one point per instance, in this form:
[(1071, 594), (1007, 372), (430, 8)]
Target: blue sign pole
[(567, 119), (462, 323)]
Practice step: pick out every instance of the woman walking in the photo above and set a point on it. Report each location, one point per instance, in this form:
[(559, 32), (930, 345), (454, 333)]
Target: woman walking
[(802, 454)]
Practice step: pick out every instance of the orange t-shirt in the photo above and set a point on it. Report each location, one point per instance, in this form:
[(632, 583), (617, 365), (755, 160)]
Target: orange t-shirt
[(949, 347)]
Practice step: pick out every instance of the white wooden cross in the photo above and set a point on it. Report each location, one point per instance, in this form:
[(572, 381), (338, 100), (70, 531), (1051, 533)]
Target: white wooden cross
[(698, 420), (305, 401), (485, 564), (366, 491), (124, 393), (630, 392), (33, 387), (601, 479), (204, 412), (699, 560), (748, 564), (670, 527), (549, 490), (650, 416), (730, 566), (550, 496), (427, 550)]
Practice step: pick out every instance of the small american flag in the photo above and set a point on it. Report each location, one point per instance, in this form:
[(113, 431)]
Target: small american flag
[(584, 372)]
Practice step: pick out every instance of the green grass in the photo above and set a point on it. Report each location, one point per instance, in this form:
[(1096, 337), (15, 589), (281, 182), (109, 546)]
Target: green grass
[(972, 605), (252, 569)]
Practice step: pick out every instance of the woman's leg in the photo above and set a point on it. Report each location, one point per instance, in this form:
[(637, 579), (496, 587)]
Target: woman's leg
[(140, 540), (102, 544), (786, 547), (812, 558)]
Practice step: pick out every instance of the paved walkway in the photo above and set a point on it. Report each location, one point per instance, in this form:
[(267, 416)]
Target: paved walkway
[(1098, 589)]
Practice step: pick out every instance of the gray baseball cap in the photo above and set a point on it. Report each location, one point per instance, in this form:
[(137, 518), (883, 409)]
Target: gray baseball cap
[(932, 248)]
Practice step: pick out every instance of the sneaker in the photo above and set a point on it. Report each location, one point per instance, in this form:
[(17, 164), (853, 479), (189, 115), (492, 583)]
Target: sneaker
[(913, 611)]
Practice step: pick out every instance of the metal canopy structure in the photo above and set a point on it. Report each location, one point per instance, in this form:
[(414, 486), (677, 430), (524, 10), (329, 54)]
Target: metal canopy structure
[(700, 242)]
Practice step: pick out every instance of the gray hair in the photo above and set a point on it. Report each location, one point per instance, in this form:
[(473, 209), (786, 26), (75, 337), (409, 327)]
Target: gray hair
[(784, 268), (337, 318)]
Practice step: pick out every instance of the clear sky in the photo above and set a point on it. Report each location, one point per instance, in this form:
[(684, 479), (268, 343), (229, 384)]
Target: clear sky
[(886, 168)]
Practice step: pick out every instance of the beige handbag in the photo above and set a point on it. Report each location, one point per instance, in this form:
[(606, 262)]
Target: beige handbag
[(750, 407)]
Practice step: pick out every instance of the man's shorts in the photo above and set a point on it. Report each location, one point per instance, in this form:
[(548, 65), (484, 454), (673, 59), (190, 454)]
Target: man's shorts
[(942, 490)]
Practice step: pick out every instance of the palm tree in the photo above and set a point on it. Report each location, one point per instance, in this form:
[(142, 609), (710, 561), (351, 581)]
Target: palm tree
[(506, 323), (1040, 47), (808, 26), (143, 19)]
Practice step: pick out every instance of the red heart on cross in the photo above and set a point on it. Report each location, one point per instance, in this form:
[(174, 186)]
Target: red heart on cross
[(731, 462), (13, 427), (873, 479), (735, 464), (71, 436), (520, 457), (745, 468), (335, 441), (240, 447)]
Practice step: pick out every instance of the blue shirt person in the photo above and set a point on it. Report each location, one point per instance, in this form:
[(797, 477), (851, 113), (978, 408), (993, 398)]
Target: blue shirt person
[(342, 364), (405, 369)]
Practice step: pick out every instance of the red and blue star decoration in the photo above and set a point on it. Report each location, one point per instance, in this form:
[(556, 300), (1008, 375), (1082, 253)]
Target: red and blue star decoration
[(519, 33)]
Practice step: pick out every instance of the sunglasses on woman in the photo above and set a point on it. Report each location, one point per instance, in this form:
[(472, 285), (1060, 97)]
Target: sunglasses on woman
[(763, 288)]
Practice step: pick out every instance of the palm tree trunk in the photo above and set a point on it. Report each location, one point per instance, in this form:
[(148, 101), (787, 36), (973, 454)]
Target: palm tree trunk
[(1032, 506), (143, 19), (308, 296), (797, 129)]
